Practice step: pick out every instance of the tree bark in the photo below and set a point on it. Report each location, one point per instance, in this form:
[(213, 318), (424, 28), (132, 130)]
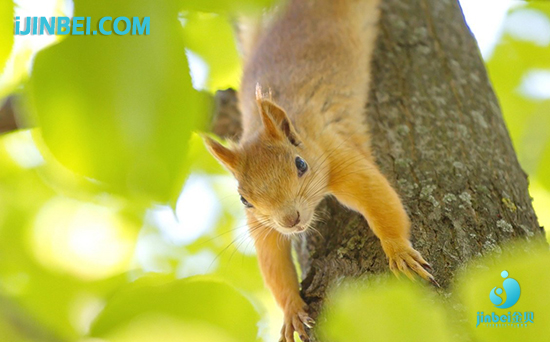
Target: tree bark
[(439, 136)]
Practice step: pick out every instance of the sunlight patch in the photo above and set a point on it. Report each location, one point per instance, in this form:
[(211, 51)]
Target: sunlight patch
[(86, 240), (22, 149), (197, 211), (529, 25), (535, 84)]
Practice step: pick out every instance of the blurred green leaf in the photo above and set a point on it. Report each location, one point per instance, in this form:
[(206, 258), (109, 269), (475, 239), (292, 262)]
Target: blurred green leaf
[(196, 300), (50, 293), (535, 148), (211, 37), (20, 60), (526, 118), (9, 331), (384, 310), (541, 203), (6, 31), (150, 327), (506, 80), (529, 266), (225, 6), (120, 109)]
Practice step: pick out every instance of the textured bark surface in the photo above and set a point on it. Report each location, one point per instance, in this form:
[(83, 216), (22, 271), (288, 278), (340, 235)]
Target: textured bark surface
[(439, 136)]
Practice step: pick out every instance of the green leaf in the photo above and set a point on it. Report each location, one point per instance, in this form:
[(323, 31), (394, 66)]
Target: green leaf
[(120, 109), (529, 267), (535, 147), (196, 301), (226, 6), (383, 311), (6, 31), (526, 118), (41, 276), (211, 37)]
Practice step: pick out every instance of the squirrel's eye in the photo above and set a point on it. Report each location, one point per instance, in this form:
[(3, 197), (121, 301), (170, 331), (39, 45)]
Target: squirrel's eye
[(301, 165), (245, 202)]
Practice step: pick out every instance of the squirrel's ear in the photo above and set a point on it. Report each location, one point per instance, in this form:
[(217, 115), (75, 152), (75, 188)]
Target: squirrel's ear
[(270, 127), (275, 120), (224, 155)]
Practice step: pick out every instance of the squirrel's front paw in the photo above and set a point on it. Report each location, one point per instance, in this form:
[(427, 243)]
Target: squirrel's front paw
[(404, 258), (295, 319)]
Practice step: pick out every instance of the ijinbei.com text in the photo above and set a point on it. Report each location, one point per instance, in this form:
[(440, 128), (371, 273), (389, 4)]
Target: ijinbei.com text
[(80, 26)]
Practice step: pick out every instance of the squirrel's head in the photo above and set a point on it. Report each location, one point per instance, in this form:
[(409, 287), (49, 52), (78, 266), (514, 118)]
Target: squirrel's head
[(281, 179)]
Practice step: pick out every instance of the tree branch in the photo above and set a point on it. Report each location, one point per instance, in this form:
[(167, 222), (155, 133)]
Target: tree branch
[(23, 324), (7, 117)]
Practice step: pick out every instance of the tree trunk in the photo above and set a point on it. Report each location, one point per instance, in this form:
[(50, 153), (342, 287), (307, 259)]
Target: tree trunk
[(439, 136)]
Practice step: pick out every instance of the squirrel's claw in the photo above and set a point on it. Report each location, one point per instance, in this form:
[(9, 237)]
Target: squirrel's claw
[(308, 321), (427, 267), (404, 259), (434, 282), (295, 321)]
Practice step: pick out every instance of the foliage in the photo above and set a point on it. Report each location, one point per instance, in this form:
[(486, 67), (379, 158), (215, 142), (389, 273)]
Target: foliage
[(390, 310), (212, 304), (6, 38), (222, 58), (520, 60), (528, 266), (80, 98), (384, 310), (83, 190)]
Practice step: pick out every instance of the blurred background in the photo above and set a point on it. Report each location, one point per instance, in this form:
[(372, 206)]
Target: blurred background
[(86, 252)]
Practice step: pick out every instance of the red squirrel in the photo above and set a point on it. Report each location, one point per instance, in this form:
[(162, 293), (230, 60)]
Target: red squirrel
[(303, 93)]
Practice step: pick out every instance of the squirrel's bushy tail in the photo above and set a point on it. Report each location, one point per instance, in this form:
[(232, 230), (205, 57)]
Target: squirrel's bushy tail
[(250, 28), (364, 7), (248, 31)]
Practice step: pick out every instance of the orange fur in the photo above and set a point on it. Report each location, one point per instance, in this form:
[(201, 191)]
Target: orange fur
[(314, 62)]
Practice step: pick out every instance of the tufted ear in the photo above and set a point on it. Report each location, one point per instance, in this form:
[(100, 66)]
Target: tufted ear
[(224, 155), (275, 120)]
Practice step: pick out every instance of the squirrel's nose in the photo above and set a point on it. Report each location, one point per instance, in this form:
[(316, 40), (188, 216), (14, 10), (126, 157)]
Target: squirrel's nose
[(290, 221)]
